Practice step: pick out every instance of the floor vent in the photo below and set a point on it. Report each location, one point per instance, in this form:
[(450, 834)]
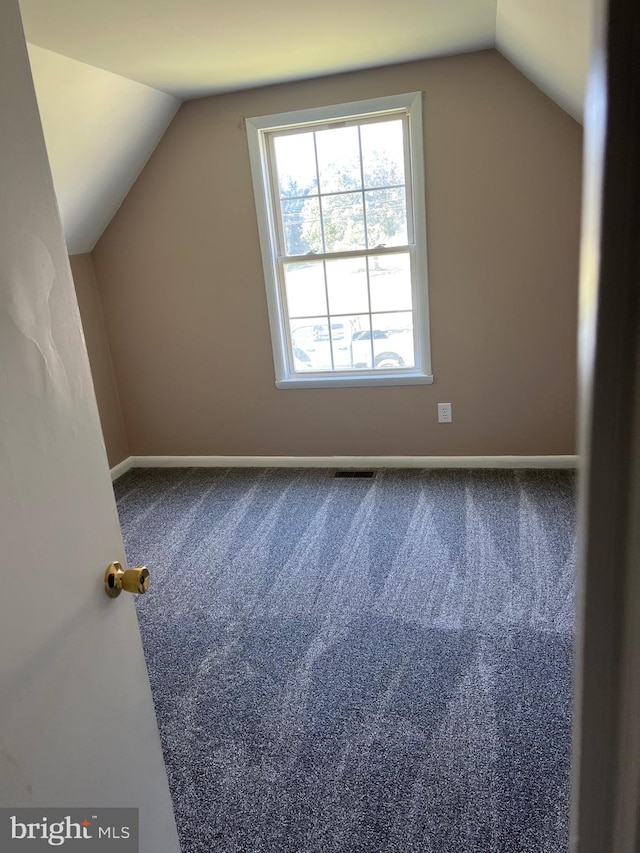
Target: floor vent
[(352, 475)]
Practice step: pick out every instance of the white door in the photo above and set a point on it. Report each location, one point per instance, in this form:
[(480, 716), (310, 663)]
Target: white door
[(77, 725)]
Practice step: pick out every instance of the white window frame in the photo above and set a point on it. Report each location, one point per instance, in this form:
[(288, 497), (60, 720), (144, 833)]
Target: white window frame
[(258, 130)]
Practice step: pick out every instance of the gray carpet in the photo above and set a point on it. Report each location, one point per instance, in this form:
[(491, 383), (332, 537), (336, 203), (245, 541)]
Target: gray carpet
[(348, 665)]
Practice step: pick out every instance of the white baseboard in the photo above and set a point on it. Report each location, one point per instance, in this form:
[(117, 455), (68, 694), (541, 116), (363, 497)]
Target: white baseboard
[(121, 468), (343, 462)]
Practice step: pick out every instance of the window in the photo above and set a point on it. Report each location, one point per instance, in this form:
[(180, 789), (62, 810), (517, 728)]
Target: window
[(340, 202)]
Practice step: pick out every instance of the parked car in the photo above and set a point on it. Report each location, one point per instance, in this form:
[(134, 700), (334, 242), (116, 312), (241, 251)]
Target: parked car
[(390, 349), (312, 347), (301, 359), (351, 350), (321, 332)]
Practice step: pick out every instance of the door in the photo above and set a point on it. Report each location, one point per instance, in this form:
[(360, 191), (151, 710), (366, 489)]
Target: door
[(606, 808), (77, 725)]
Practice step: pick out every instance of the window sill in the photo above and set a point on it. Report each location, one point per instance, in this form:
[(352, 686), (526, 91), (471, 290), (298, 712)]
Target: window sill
[(355, 381)]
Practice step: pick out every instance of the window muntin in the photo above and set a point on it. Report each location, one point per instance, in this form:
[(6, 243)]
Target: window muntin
[(346, 278)]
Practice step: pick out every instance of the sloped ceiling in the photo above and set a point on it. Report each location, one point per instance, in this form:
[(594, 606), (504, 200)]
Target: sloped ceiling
[(110, 74), (100, 130), (550, 42)]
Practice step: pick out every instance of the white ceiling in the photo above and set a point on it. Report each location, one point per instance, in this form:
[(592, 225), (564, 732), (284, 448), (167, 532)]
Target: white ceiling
[(550, 42), (195, 47), (99, 129), (101, 126)]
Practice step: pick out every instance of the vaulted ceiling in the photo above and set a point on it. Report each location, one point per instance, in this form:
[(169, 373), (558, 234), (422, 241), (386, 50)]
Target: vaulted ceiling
[(110, 74)]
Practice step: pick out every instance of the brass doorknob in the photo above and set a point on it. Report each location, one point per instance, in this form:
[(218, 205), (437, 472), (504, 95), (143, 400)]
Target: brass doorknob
[(132, 580)]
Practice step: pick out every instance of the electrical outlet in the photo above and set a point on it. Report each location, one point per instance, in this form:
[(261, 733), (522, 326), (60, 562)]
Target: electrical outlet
[(444, 413)]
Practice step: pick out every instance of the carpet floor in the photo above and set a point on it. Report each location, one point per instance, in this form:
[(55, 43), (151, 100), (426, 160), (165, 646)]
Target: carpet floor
[(359, 666)]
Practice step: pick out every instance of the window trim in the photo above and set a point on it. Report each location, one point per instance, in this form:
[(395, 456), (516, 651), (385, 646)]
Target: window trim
[(257, 129)]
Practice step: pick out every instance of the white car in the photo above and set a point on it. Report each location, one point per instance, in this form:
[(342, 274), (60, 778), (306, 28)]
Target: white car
[(390, 349), (312, 350)]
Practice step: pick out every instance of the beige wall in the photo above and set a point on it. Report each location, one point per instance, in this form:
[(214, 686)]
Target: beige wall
[(100, 358), (180, 277)]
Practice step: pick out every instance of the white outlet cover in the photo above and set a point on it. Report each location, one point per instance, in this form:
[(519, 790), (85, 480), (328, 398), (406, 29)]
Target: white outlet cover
[(444, 413)]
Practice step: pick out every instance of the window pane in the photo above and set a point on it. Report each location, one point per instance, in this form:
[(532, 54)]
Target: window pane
[(347, 286), (310, 346), (382, 153), (393, 340), (360, 341), (301, 226), (338, 159), (342, 330), (390, 282), (386, 218), (296, 164), (343, 221), (306, 293)]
